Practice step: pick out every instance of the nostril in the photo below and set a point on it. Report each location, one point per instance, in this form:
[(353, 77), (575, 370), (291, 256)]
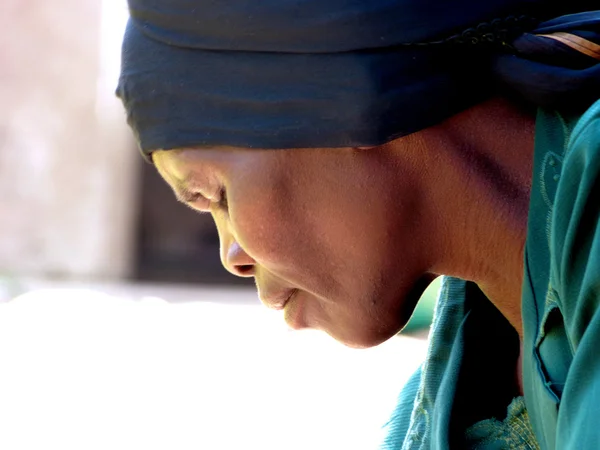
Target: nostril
[(245, 270), (237, 261)]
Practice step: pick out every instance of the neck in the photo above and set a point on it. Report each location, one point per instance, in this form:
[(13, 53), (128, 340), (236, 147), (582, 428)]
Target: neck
[(481, 168)]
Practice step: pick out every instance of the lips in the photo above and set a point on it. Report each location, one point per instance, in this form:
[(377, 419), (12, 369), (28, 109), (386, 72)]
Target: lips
[(277, 300)]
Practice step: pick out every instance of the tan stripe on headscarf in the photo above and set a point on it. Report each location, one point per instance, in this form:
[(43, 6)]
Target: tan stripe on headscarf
[(576, 43)]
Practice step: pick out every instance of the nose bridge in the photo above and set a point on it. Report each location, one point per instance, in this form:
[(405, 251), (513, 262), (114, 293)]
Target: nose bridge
[(225, 238)]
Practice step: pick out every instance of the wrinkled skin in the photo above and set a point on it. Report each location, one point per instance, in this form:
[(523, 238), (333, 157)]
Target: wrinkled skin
[(351, 237), (327, 223)]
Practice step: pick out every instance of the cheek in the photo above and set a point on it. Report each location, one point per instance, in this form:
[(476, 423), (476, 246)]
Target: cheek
[(289, 229), (295, 232), (263, 225), (336, 239)]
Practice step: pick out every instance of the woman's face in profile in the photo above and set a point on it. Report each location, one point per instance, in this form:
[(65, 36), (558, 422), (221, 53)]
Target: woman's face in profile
[(330, 236)]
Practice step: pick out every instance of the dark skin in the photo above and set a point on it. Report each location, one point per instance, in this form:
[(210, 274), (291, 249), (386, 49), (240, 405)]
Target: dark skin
[(345, 240)]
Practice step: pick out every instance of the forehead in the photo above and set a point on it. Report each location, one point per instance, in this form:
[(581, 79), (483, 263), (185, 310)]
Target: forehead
[(168, 165), (198, 163), (204, 163), (179, 162)]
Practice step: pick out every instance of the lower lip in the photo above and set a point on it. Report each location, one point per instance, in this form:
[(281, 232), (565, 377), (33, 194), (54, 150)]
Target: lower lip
[(293, 312)]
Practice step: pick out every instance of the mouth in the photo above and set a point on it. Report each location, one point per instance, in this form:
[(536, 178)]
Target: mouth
[(294, 291), (278, 302)]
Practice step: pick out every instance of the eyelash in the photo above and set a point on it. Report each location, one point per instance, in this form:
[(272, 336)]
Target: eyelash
[(190, 197)]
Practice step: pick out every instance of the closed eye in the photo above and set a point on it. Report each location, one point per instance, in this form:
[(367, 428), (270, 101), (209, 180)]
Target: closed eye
[(194, 200)]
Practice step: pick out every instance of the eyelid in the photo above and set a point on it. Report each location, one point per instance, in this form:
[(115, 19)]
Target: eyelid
[(184, 195), (191, 198)]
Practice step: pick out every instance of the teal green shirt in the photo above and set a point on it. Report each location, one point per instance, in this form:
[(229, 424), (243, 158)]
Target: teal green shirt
[(561, 292), (461, 397)]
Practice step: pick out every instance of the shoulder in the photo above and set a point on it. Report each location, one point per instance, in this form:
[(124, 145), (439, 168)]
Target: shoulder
[(588, 126), (575, 233), (575, 275), (576, 202)]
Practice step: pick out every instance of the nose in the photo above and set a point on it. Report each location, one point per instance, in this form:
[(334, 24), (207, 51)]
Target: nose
[(237, 261)]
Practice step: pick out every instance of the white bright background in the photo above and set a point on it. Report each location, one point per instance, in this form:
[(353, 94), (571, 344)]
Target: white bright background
[(152, 367), (113, 368)]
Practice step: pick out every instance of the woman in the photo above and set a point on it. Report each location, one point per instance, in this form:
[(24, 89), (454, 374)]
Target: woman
[(429, 138)]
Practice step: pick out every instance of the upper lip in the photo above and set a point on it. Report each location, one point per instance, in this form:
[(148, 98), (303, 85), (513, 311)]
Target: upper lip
[(277, 300)]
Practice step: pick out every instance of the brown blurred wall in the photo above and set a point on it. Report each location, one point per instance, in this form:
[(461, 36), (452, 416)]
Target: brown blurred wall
[(67, 164)]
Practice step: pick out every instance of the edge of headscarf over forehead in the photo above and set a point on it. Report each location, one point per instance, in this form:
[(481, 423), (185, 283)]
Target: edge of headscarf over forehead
[(304, 73), (313, 26)]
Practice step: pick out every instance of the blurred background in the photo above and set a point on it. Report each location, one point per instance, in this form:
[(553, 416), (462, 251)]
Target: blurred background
[(118, 326)]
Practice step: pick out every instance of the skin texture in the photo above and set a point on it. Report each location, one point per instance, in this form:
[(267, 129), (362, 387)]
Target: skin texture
[(354, 235)]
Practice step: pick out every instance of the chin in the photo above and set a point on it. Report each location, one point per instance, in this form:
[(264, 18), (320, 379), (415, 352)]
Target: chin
[(362, 329), (361, 339)]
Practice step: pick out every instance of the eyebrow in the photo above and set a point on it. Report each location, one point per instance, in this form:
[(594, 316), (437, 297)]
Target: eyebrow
[(179, 187)]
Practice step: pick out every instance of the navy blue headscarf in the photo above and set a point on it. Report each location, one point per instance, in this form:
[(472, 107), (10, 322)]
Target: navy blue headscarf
[(342, 73)]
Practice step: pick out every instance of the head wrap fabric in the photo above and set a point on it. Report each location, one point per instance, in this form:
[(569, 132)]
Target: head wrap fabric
[(314, 73), (550, 73)]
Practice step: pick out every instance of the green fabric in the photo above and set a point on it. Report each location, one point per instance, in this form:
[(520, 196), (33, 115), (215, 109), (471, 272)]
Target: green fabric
[(561, 292), (472, 351), (458, 398), (513, 432)]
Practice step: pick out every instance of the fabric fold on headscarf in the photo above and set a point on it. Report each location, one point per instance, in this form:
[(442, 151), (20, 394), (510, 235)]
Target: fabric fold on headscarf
[(557, 65), (340, 73)]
